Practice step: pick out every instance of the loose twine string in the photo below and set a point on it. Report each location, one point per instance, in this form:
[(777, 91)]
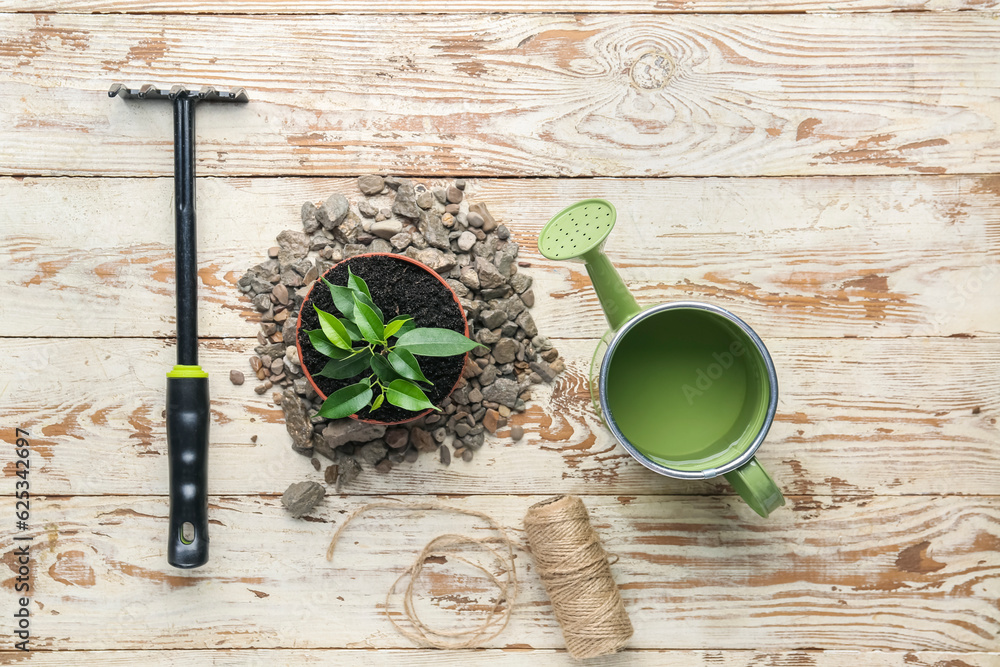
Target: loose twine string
[(577, 575), (444, 545), (569, 559)]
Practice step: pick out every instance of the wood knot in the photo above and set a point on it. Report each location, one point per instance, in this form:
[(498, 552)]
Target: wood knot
[(652, 70)]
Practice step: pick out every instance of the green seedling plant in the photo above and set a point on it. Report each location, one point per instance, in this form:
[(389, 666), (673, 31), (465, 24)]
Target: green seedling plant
[(385, 353)]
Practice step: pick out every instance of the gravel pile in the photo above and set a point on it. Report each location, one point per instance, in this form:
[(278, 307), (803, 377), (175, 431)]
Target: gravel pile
[(464, 244)]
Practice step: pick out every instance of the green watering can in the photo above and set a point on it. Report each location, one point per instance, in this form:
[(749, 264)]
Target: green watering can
[(687, 388)]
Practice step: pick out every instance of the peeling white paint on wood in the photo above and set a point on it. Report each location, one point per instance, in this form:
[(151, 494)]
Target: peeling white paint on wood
[(524, 95)]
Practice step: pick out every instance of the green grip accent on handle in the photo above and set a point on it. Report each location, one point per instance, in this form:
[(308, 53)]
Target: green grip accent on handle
[(756, 487), (617, 302), (180, 371)]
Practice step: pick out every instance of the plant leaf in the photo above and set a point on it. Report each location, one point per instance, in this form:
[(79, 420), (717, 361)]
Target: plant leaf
[(394, 325), (342, 369), (406, 395), (377, 403), (408, 325), (357, 283), (352, 329), (430, 342), (371, 304), (345, 402), (324, 346), (404, 363), (333, 329), (368, 322), (343, 298), (383, 369)]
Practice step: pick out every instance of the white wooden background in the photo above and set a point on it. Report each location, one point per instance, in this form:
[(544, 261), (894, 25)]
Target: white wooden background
[(829, 176)]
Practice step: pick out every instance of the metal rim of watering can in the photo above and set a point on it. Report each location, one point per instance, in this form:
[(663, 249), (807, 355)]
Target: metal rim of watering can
[(772, 406)]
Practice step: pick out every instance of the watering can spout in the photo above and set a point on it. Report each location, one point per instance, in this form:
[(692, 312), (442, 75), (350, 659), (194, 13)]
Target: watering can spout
[(579, 232), (617, 302)]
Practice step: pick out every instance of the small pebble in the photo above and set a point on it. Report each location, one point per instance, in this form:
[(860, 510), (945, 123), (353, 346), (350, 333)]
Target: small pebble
[(445, 455), (371, 184), (467, 455), (516, 433), (236, 377)]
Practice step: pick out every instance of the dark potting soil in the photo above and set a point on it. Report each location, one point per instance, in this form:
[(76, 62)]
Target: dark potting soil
[(398, 287)]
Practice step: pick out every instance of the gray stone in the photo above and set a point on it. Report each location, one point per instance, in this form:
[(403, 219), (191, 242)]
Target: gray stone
[(512, 306), (544, 371), (453, 194), (347, 471), (474, 440), (425, 200), (262, 302), (474, 219), (294, 244), (309, 217), (470, 278), (487, 337), (528, 298), (400, 241), (520, 282), (466, 241), (300, 498), (394, 182), (488, 275), (502, 232), (387, 228), (445, 455), (503, 391), (380, 245), (434, 231), (371, 184), (296, 421), (516, 433), (505, 351), (353, 249), (440, 262), (405, 203), (441, 195), (527, 323), (541, 343), (342, 431), (333, 211), (366, 209), (488, 376), (372, 452), (460, 290), (491, 319)]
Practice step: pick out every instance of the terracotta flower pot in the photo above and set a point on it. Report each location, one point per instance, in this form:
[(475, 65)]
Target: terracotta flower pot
[(305, 348)]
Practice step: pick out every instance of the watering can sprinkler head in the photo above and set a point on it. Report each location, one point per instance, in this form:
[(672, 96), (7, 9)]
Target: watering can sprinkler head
[(579, 232)]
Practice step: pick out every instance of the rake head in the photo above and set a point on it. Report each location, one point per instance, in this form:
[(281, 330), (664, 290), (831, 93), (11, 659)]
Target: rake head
[(151, 92)]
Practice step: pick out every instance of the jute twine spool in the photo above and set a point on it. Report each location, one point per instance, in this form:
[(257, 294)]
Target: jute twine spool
[(576, 572), (449, 545)]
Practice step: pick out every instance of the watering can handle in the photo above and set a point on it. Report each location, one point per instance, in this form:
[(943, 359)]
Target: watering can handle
[(756, 487)]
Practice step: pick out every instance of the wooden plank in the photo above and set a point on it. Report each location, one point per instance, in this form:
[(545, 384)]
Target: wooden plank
[(495, 7), (895, 256), (904, 573), (855, 418), (527, 95), (511, 656)]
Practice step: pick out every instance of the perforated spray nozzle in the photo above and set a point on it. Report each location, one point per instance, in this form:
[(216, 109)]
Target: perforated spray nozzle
[(577, 229), (579, 232)]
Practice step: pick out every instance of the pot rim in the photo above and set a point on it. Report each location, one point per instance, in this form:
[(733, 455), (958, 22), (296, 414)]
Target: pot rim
[(461, 310), (772, 379)]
